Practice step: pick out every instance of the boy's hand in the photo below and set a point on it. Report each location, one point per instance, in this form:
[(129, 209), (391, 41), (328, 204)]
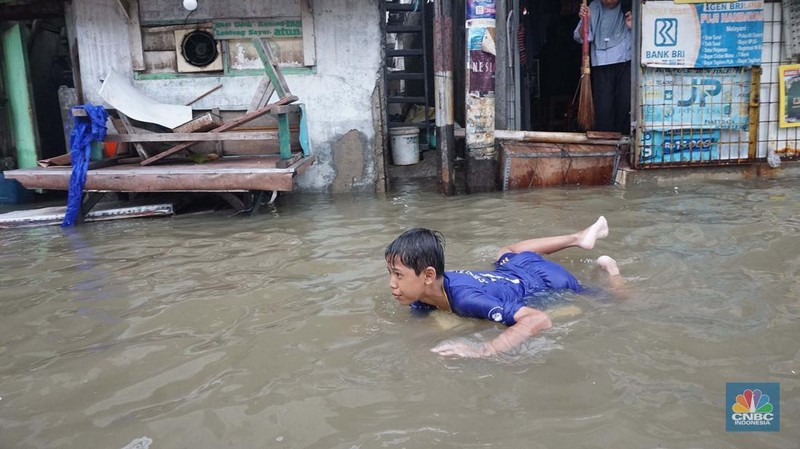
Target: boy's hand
[(529, 322), (463, 349)]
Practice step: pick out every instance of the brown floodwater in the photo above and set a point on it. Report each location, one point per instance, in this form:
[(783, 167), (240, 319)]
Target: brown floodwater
[(279, 331)]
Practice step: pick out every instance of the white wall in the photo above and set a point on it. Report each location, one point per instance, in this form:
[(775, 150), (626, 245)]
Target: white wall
[(338, 97)]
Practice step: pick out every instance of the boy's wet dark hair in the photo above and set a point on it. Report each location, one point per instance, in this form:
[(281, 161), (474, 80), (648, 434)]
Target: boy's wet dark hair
[(418, 249)]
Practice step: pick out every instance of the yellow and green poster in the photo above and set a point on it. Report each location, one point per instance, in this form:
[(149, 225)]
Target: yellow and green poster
[(789, 99)]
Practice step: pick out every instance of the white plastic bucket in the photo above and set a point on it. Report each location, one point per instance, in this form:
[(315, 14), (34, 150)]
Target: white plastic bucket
[(405, 145)]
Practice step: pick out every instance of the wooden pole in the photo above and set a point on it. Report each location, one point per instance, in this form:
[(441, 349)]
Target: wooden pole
[(443, 88), (203, 95)]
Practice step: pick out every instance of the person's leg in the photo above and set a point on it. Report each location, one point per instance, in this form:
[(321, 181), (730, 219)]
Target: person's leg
[(603, 96), (610, 266), (622, 106), (547, 245)]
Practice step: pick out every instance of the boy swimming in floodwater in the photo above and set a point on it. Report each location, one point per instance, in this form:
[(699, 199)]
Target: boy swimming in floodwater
[(415, 261)]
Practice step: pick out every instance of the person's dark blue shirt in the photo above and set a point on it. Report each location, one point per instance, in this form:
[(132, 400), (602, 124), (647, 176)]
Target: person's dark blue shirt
[(498, 295)]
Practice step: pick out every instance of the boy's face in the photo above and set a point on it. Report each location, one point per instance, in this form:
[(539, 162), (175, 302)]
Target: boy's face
[(407, 286)]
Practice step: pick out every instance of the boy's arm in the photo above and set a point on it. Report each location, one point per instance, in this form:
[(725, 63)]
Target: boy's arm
[(529, 322)]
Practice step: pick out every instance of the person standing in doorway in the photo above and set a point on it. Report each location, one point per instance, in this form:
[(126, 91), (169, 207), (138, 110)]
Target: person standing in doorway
[(610, 52)]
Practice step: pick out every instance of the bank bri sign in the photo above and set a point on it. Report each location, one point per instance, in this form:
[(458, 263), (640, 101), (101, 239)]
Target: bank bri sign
[(702, 35), (752, 407)]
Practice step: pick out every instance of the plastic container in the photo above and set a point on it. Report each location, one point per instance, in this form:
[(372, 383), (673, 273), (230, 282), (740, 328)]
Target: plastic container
[(96, 151), (109, 149), (405, 145), (12, 192)]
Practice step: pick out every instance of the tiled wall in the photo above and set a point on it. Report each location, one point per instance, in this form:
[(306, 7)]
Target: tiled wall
[(770, 135)]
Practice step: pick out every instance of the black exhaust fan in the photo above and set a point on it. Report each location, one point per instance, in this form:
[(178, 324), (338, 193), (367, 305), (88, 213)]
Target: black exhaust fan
[(199, 48)]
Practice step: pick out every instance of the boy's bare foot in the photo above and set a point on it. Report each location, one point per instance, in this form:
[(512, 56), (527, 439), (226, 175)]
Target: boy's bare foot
[(608, 264), (588, 236)]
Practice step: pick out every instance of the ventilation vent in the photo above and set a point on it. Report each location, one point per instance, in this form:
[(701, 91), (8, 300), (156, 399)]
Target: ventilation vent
[(197, 51)]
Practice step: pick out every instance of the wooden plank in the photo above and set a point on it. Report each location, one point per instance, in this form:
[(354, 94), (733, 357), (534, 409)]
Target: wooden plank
[(233, 200), (103, 163), (55, 215), (202, 123), (126, 7), (160, 61), (240, 121), (67, 99), (72, 43), (289, 108), (265, 147), (154, 39), (309, 49), (263, 93), (267, 122), (226, 174), (194, 137), (230, 136), (64, 159), (273, 71), (128, 129), (135, 36), (213, 89), (284, 136), (603, 134), (218, 150), (288, 162)]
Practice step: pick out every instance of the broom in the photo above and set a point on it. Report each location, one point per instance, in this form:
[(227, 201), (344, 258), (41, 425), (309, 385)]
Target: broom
[(585, 101)]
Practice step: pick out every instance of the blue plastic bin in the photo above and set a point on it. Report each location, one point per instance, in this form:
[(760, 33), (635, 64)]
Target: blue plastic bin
[(12, 192)]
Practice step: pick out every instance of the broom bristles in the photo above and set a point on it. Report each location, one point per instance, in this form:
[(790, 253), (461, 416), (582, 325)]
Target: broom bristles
[(586, 102)]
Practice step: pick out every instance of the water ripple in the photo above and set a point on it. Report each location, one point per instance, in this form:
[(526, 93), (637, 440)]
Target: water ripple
[(280, 331)]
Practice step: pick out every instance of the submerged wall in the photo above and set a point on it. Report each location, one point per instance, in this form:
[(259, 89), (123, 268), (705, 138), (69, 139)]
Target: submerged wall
[(340, 92)]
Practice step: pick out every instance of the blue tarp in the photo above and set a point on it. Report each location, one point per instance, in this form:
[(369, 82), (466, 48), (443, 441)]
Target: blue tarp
[(85, 131)]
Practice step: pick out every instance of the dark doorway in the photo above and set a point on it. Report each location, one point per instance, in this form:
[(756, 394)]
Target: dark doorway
[(550, 62), (50, 69)]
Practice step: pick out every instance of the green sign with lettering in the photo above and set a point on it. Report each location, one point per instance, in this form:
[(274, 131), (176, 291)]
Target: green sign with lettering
[(250, 28)]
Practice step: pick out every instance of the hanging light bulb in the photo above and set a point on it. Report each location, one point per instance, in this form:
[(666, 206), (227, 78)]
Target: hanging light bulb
[(190, 5)]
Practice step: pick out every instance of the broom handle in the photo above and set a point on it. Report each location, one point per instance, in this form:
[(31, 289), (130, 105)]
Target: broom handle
[(585, 34)]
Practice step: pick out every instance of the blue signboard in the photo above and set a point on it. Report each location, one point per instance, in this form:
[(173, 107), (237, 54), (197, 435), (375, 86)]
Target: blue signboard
[(709, 98), (680, 145), (702, 35), (481, 9)]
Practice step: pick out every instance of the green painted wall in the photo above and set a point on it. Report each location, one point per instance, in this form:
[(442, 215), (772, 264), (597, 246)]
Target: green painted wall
[(20, 105)]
